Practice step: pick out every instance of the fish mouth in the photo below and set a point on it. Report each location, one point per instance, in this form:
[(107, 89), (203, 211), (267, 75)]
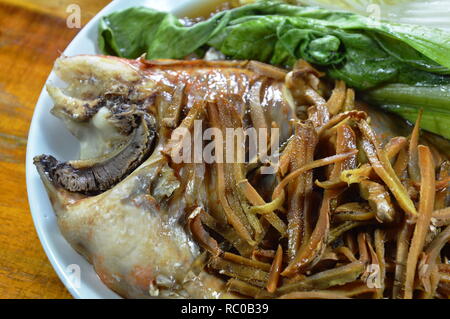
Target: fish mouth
[(93, 176)]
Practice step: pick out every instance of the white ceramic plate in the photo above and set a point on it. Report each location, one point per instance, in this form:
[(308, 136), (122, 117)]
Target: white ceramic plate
[(48, 135)]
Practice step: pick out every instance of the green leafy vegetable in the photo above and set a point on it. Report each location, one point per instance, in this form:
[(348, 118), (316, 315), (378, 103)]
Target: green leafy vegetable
[(365, 54), (132, 32), (432, 13), (407, 101)]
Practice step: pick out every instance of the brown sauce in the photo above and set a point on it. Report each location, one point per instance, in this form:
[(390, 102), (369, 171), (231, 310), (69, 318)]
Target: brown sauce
[(204, 9)]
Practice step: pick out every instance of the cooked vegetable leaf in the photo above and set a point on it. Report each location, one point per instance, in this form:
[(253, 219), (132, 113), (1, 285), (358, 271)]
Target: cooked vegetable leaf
[(430, 13), (363, 53), (408, 100)]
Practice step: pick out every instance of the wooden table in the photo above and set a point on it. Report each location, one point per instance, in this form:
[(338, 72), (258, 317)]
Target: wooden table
[(33, 33)]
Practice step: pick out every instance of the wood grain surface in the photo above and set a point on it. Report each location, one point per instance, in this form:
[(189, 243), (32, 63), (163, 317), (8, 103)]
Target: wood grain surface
[(33, 33)]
